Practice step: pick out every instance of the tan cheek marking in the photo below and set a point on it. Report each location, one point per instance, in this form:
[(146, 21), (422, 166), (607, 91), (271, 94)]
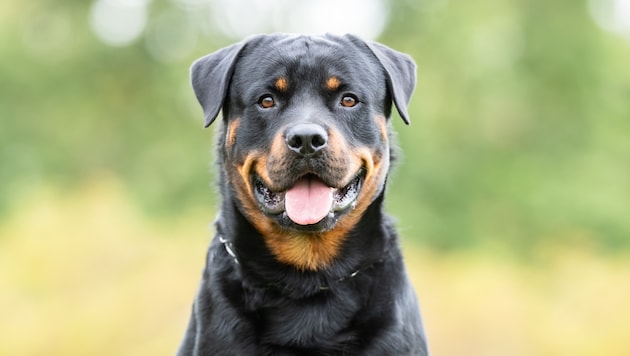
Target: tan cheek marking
[(342, 155), (254, 162), (278, 147), (275, 161), (244, 170), (260, 168), (230, 137), (241, 182), (376, 170), (351, 160), (333, 83), (337, 146), (382, 126), (282, 84)]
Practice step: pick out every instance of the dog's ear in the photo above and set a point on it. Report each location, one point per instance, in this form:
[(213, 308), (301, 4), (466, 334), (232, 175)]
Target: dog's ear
[(210, 77), (401, 75)]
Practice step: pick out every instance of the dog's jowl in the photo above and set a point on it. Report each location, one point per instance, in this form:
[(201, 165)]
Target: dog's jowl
[(304, 261)]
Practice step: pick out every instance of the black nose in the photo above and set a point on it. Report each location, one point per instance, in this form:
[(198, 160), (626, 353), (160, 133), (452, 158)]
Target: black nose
[(306, 139)]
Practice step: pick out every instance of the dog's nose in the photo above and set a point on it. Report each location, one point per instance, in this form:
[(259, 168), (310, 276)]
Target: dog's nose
[(306, 139)]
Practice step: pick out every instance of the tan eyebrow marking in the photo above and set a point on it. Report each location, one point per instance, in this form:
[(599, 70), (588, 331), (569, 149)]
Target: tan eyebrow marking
[(333, 83), (282, 84)]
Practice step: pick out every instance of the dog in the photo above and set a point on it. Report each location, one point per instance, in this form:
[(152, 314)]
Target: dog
[(304, 261)]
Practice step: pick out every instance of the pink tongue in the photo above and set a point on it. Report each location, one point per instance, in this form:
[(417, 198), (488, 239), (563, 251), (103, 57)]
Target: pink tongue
[(308, 201)]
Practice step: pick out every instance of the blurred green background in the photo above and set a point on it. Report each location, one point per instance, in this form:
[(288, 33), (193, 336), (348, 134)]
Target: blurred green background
[(512, 193)]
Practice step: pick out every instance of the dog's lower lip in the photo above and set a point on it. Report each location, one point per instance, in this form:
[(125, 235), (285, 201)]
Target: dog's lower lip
[(273, 203), (347, 196), (270, 202)]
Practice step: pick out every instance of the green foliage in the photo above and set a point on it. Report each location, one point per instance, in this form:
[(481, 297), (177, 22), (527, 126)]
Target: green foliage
[(519, 130)]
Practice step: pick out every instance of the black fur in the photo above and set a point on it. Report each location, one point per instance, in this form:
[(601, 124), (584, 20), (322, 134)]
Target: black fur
[(250, 302)]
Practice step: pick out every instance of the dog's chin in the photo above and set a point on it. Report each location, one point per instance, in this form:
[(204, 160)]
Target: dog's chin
[(342, 200)]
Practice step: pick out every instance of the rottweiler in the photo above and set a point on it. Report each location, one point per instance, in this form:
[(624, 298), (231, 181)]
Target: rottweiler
[(304, 261)]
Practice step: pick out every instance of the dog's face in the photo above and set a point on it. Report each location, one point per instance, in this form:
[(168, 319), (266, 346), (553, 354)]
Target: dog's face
[(305, 143)]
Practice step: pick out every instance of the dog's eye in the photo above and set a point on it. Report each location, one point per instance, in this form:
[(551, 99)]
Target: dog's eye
[(349, 100), (266, 102)]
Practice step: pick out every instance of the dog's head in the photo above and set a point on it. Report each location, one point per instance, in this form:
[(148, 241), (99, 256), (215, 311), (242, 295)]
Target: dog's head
[(305, 144)]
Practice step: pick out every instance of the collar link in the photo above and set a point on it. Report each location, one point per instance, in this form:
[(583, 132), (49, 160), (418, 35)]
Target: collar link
[(228, 248)]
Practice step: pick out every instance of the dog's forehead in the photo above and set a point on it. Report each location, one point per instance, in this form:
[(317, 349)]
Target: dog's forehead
[(300, 57), (273, 49)]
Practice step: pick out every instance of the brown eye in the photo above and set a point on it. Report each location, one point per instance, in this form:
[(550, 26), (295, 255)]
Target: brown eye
[(349, 101), (266, 102)]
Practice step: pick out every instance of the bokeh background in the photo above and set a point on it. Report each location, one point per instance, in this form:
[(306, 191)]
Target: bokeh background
[(512, 193)]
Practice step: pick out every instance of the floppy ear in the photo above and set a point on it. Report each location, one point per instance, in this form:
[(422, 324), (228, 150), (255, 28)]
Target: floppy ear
[(401, 75), (210, 77)]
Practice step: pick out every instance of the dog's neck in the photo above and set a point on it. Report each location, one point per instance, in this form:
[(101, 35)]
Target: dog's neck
[(229, 249)]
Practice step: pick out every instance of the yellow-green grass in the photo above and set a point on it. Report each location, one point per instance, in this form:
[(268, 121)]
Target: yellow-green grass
[(86, 274)]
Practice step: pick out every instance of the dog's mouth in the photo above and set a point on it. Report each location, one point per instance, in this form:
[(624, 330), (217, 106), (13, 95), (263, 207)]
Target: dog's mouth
[(309, 202)]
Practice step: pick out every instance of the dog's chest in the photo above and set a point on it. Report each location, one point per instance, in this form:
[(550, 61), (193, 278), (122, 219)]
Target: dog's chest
[(313, 322)]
